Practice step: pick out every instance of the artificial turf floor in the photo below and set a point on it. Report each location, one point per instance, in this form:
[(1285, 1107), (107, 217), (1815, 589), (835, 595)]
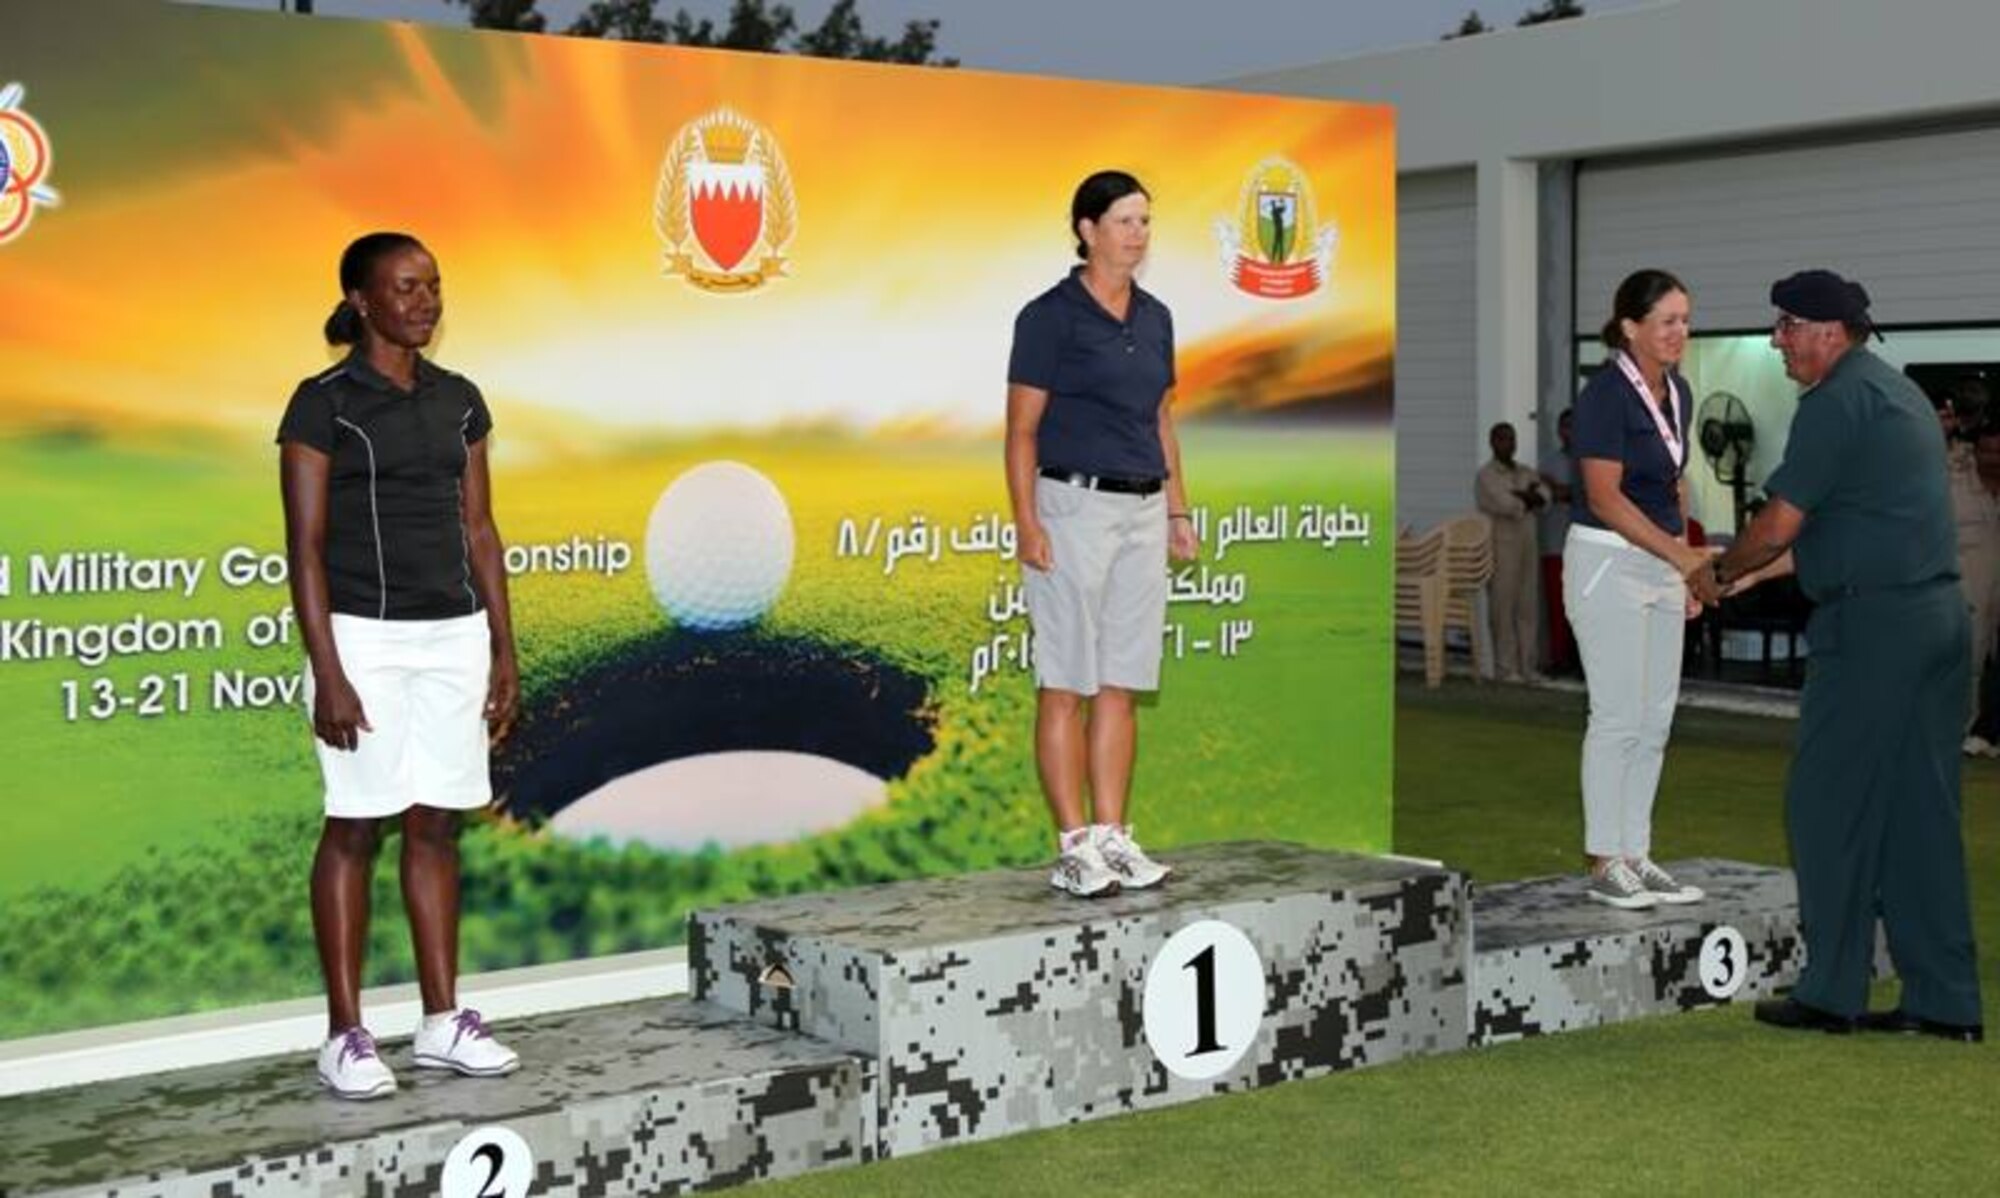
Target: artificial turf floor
[(1708, 1102)]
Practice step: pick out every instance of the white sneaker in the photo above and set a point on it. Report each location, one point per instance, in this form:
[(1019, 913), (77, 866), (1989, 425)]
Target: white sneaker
[(1978, 746), (1615, 884), (349, 1066), (459, 1041), (1661, 884), (1135, 870), (1081, 871)]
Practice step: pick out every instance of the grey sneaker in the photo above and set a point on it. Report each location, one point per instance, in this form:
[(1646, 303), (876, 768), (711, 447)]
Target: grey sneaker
[(1615, 884), (1081, 871), (1135, 870), (1661, 884)]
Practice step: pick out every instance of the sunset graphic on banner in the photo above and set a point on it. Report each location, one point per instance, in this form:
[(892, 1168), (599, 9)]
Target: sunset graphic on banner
[(531, 165)]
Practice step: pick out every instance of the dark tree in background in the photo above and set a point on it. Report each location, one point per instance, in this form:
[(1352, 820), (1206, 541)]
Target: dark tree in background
[(752, 25), (1472, 26), (1554, 10), (518, 15), (841, 36), (619, 20)]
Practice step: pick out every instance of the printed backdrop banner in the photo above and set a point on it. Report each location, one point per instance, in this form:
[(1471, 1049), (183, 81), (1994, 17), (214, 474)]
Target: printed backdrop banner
[(743, 322)]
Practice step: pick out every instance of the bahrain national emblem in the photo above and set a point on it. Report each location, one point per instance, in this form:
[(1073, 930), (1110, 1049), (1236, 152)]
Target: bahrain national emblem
[(724, 206), (1275, 247), (24, 165)]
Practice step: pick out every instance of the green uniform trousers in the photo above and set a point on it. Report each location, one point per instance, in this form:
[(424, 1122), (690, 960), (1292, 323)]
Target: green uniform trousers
[(1872, 804)]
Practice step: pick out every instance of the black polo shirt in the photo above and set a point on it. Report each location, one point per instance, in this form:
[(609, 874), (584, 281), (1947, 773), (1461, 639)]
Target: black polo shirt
[(1613, 423), (395, 531), (1105, 379)]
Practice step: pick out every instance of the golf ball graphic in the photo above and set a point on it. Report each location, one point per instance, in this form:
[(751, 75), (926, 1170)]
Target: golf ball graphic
[(719, 547)]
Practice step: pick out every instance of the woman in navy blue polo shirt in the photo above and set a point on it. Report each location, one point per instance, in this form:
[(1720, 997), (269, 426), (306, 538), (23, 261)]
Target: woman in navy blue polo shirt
[(401, 595), (1093, 470), (1625, 564)]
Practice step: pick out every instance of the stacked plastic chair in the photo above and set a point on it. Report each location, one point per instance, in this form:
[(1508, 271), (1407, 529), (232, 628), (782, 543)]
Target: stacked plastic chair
[(1420, 595), (1468, 567)]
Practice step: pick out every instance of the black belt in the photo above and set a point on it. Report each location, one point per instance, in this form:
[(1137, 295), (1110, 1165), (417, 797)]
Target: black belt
[(1104, 482)]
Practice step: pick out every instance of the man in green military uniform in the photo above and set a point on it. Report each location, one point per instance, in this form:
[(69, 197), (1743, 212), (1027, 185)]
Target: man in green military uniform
[(1861, 508)]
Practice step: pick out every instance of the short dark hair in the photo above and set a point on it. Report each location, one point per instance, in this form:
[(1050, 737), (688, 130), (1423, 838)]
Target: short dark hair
[(1094, 197), (1635, 299), (357, 269)]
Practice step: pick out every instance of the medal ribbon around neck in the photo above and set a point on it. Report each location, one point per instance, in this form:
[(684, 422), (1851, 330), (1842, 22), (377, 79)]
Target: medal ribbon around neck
[(1676, 446)]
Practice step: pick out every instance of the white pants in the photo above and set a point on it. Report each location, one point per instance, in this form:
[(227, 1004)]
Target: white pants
[(1629, 610), (422, 685)]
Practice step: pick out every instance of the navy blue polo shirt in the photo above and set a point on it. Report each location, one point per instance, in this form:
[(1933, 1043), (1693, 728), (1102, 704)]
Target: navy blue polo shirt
[(395, 527), (1105, 379), (1612, 423)]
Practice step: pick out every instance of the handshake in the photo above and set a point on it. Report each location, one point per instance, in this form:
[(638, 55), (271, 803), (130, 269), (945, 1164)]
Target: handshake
[(1707, 586)]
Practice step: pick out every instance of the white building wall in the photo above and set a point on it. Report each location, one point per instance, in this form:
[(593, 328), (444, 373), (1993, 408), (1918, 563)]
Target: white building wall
[(1915, 218), (1435, 416), (1699, 79)]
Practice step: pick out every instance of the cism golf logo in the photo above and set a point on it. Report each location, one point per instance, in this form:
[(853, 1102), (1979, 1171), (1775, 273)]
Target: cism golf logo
[(1276, 246), (25, 161)]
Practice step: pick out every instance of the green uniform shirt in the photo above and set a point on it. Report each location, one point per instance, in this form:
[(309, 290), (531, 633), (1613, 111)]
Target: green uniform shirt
[(1866, 462)]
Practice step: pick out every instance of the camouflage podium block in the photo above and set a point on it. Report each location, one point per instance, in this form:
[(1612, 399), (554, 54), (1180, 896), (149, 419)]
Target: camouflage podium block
[(1547, 959), (637, 1098), (995, 1004)]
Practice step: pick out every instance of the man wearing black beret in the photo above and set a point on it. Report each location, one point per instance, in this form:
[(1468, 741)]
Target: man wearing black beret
[(1861, 509)]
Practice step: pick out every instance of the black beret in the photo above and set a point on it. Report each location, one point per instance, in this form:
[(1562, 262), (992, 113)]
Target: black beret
[(1821, 295)]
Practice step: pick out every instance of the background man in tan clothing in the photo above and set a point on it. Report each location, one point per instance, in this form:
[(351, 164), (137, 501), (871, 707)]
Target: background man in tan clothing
[(1510, 495), (1976, 511)]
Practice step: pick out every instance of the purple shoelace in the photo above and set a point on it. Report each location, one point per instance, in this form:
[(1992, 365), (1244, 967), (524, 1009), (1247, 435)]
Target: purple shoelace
[(356, 1045), (470, 1024)]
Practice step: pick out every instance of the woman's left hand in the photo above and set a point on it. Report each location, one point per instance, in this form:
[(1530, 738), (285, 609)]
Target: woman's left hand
[(1694, 608), (1182, 543), (503, 696)]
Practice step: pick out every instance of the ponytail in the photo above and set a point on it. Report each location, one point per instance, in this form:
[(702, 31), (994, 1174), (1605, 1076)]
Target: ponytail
[(1634, 302), (343, 327)]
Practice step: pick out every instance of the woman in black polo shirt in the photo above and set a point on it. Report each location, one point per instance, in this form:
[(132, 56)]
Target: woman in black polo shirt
[(1625, 564), (401, 597), (1093, 472)]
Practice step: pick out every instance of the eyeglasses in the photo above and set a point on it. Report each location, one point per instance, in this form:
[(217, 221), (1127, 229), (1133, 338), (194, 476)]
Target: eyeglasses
[(1788, 324)]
